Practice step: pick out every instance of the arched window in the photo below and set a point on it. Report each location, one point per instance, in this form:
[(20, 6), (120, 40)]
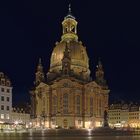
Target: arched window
[(54, 104), (73, 29), (100, 107), (91, 105), (43, 103), (78, 104), (65, 103)]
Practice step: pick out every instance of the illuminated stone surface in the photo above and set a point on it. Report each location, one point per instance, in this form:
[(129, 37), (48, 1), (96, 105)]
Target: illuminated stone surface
[(68, 97)]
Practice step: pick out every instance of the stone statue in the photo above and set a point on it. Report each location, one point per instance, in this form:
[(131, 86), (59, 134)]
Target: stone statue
[(106, 119)]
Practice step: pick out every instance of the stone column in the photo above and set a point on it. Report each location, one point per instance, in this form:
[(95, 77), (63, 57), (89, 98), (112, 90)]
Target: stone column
[(50, 106)]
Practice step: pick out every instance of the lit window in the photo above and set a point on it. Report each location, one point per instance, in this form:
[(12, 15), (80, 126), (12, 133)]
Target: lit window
[(2, 98), (7, 116), (2, 116)]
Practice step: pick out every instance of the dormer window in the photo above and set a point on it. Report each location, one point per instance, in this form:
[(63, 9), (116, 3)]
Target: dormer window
[(1, 74)]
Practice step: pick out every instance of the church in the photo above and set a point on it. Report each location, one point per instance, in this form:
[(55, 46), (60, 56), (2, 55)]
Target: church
[(67, 97)]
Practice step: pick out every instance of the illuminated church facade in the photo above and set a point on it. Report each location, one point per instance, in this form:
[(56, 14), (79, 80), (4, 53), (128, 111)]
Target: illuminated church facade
[(66, 96)]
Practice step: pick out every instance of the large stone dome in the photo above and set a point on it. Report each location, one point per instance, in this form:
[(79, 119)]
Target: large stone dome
[(79, 58), (78, 54)]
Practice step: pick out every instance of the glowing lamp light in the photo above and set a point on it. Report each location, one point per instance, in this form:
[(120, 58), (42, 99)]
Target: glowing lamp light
[(89, 131), (16, 122), (56, 126), (1, 122)]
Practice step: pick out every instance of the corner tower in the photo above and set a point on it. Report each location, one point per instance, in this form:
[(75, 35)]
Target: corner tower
[(39, 73), (78, 53)]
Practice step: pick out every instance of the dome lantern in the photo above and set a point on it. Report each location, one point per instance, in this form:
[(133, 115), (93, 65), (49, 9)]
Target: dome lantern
[(69, 26), (78, 64)]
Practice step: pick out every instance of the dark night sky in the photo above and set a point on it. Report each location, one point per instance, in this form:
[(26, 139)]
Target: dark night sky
[(110, 30)]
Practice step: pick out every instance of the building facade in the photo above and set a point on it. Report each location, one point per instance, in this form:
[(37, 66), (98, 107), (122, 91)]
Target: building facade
[(124, 115), (67, 96), (10, 118), (5, 98), (20, 118)]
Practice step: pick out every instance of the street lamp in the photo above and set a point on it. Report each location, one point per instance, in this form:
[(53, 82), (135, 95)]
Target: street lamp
[(16, 125), (30, 125)]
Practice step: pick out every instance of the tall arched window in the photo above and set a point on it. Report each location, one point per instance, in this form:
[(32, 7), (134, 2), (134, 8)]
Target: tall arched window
[(91, 105), (43, 103), (100, 107), (54, 104), (78, 104), (65, 103)]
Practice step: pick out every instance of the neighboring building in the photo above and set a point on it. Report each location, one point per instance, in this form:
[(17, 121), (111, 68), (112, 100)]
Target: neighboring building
[(134, 116), (68, 97), (5, 98), (9, 118), (124, 115), (20, 117)]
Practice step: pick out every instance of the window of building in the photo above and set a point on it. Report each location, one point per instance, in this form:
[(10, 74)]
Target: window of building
[(7, 116), (65, 103), (8, 99), (54, 104), (91, 105), (3, 82), (8, 90), (53, 121), (2, 89), (7, 108), (2, 107), (100, 107), (2, 116), (78, 104), (2, 98)]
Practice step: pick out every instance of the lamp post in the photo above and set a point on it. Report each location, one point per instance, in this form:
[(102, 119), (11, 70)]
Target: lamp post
[(106, 119)]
